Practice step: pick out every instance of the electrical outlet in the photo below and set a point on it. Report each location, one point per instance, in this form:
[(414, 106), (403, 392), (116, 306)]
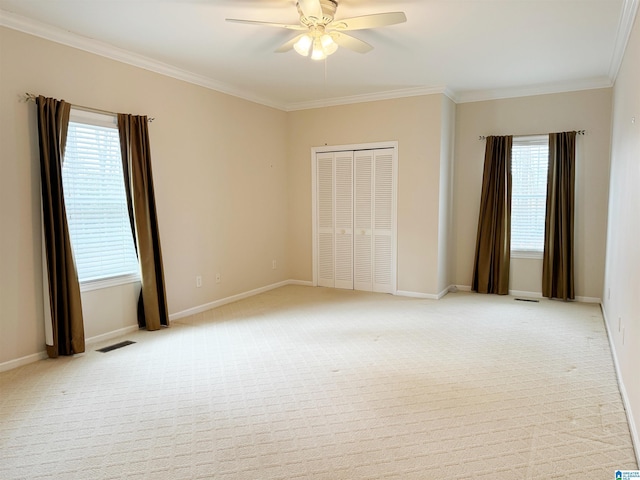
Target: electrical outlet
[(198, 281), (217, 278), (273, 264)]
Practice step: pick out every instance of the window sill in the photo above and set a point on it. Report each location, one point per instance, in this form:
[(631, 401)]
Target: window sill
[(101, 283), (526, 254)]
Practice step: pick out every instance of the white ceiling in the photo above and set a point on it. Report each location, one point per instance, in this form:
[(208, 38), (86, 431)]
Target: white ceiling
[(469, 49)]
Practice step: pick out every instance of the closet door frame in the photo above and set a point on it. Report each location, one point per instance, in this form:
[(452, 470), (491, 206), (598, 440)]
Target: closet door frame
[(314, 201)]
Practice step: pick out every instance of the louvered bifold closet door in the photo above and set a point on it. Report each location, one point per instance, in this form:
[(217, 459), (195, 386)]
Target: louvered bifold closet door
[(325, 181), (383, 221), (363, 184), (343, 175), (355, 201)]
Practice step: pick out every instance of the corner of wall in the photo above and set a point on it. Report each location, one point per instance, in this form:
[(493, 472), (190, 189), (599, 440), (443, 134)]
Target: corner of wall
[(445, 207)]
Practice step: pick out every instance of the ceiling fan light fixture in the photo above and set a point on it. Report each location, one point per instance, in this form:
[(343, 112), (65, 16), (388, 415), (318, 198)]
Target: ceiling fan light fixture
[(328, 45), (318, 52), (322, 34), (303, 45)]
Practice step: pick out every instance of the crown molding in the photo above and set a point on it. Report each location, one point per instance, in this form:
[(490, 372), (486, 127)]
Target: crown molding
[(103, 49), (532, 90), (367, 97), (64, 37), (55, 34), (625, 24), (453, 96)]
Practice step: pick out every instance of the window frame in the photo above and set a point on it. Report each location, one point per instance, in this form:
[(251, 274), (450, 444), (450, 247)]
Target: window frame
[(88, 117)]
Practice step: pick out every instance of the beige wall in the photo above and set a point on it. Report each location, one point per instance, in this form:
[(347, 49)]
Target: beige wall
[(415, 123), (219, 167), (585, 110), (622, 279), (110, 311)]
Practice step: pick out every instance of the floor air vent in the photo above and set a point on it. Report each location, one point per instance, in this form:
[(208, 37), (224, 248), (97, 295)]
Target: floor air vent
[(115, 346), (528, 300)]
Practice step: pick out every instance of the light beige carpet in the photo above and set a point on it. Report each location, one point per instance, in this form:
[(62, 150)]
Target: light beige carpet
[(313, 383)]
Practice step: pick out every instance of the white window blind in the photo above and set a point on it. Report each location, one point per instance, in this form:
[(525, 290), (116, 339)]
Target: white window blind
[(95, 201), (529, 163)]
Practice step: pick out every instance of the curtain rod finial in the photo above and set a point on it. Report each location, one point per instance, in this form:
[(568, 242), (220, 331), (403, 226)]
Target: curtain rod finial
[(27, 97)]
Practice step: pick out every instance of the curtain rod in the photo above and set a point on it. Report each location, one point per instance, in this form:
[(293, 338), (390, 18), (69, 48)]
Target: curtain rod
[(31, 97), (578, 132)]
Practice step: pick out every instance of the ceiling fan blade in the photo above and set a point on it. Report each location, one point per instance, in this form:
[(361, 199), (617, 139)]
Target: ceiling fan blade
[(268, 24), (369, 21), (311, 9), (351, 43), (289, 45)]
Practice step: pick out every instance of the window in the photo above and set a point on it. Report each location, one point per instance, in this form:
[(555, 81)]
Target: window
[(529, 164), (95, 202)]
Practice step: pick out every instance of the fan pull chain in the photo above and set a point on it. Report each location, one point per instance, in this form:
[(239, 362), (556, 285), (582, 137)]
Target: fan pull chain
[(326, 95)]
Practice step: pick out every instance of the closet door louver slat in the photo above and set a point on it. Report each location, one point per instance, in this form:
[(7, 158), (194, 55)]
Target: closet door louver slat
[(325, 220), (363, 271), (383, 222), (344, 220)]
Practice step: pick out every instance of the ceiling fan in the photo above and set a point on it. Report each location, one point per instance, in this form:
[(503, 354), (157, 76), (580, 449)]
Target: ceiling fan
[(322, 34)]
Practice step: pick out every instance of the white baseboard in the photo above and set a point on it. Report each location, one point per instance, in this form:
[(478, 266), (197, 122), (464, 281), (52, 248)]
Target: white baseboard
[(514, 293), (19, 362), (589, 300), (109, 335), (235, 298), (635, 437), (406, 293), (428, 296), (450, 288), (304, 283), (522, 293)]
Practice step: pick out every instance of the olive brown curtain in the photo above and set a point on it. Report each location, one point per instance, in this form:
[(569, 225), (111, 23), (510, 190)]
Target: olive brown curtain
[(493, 243), (63, 292), (557, 263), (138, 178)]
